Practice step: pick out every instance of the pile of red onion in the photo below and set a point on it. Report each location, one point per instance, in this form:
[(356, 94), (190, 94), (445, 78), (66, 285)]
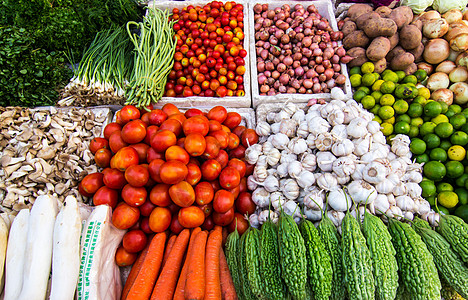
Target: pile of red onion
[(297, 51)]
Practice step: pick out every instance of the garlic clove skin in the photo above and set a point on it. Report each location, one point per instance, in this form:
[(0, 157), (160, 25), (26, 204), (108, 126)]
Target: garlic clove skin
[(263, 128), (326, 181), (381, 204), (361, 192), (339, 200), (261, 197), (253, 221), (312, 215), (336, 217)]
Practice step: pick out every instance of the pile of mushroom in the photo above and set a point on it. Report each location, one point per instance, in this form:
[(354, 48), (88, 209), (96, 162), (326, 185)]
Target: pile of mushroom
[(332, 153), (45, 152)]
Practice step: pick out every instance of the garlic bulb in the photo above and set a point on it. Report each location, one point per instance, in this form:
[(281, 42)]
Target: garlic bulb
[(318, 125), (336, 117), (324, 141), (343, 148), (395, 178), (294, 169), (326, 109), (312, 113), (288, 127), (297, 145), (290, 108), (314, 199), (405, 203), (357, 128), (399, 166), (339, 200), (408, 215), (381, 204), (290, 189), (358, 213), (343, 180), (399, 189), (361, 192), (339, 132), (373, 127), (309, 162), (422, 206), (338, 94), (273, 156), (401, 139), (400, 149), (344, 166), (267, 147), (270, 117), (432, 217), (305, 179), (282, 170), (281, 115), (336, 217), (311, 141), (262, 161), (374, 172), (291, 208), (277, 199), (299, 116), (313, 215), (251, 183), (391, 199), (379, 138), (303, 130), (275, 128), (252, 153), (385, 186), (325, 161), (362, 145), (350, 113), (287, 156), (326, 181), (357, 175), (260, 173), (280, 141), (266, 215), (253, 221), (413, 190), (261, 197), (263, 128), (271, 184), (394, 212)]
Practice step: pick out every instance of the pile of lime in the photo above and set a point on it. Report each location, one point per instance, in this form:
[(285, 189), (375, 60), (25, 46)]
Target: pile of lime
[(438, 132)]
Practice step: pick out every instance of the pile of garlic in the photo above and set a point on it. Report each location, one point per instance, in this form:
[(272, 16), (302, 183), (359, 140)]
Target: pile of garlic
[(333, 151)]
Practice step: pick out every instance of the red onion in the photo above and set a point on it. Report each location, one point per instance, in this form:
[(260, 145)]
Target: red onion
[(299, 71), (319, 59), (260, 20), (346, 59), (261, 79), (286, 7), (267, 23), (284, 79), (328, 53), (267, 73), (318, 52), (322, 45), (281, 16), (308, 83), (264, 7), (296, 64), (304, 61), (276, 85), (277, 10), (336, 67), (302, 90), (275, 51), (275, 74), (282, 89), (307, 41), (256, 17), (312, 63), (291, 90), (285, 39), (298, 6), (334, 44), (316, 88), (279, 33), (326, 63), (341, 79), (306, 68), (322, 77), (340, 51), (264, 54), (325, 37), (269, 66), (295, 84), (257, 26), (264, 88), (270, 81), (290, 72), (335, 35), (259, 43), (329, 73), (315, 79), (288, 61), (257, 8), (300, 36), (324, 87), (311, 74), (271, 92), (261, 67), (271, 14), (308, 32), (307, 52), (319, 69), (264, 35), (281, 67), (292, 34), (335, 59), (275, 61)]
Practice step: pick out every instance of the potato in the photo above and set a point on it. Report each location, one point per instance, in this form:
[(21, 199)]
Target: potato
[(355, 10), (359, 55), (356, 39), (380, 65), (402, 16), (378, 48), (362, 20), (394, 40), (380, 27), (418, 23), (401, 61), (394, 52), (348, 27), (383, 11), (417, 52), (410, 37), (411, 69)]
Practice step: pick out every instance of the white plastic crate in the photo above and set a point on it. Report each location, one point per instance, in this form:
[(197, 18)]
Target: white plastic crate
[(195, 101), (326, 10)]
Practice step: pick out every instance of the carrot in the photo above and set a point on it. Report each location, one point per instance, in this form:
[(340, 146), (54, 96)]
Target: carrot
[(195, 284), (213, 281), (179, 292), (169, 245), (165, 286), (134, 272), (144, 282), (228, 290)]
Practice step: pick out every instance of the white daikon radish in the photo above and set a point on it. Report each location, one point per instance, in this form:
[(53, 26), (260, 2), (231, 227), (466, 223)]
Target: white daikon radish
[(3, 247), (66, 251), (38, 257), (15, 255)]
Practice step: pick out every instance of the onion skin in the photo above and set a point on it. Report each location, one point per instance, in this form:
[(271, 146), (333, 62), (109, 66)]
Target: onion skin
[(426, 67), (443, 95), (436, 51), (446, 67), (458, 74)]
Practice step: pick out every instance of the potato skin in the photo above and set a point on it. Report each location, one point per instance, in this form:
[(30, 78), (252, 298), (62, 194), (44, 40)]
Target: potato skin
[(362, 20), (411, 69), (380, 27), (360, 56), (383, 11), (380, 65), (417, 52), (402, 61), (394, 52), (410, 37), (378, 48), (402, 15), (348, 27), (355, 10), (356, 39)]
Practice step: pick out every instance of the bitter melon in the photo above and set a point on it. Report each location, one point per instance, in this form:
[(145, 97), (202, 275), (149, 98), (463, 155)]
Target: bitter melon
[(244, 280), (252, 254), (231, 250), (455, 231)]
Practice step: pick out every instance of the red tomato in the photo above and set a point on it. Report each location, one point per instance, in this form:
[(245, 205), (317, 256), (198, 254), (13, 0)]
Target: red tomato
[(162, 140), (182, 194), (134, 132), (215, 185), (196, 124), (116, 142), (233, 141), (92, 182), (248, 168), (114, 178), (170, 109), (160, 219), (244, 204), (232, 120), (212, 147), (129, 113), (222, 137), (110, 129), (150, 131), (102, 157), (208, 224), (193, 112), (181, 142), (154, 169), (240, 223), (194, 174), (125, 216), (173, 172), (134, 196), (218, 113), (195, 144), (82, 192), (177, 153), (238, 152), (222, 158), (98, 143), (223, 219), (176, 227), (179, 117), (172, 125), (235, 191), (239, 165), (124, 258), (144, 225), (214, 125), (124, 158), (142, 150), (239, 130), (134, 241), (145, 118), (159, 195), (152, 155), (107, 196), (157, 117), (223, 201), (204, 193), (137, 175), (191, 217), (249, 137), (243, 185), (147, 208), (211, 169)]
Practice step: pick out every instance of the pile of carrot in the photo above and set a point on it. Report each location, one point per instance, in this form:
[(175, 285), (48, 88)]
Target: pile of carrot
[(190, 265)]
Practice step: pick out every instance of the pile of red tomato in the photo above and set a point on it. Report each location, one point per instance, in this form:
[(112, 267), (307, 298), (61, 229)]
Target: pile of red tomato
[(209, 57), (168, 170)]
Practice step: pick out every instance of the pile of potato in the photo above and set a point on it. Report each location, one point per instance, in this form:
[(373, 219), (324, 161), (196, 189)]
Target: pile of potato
[(385, 36)]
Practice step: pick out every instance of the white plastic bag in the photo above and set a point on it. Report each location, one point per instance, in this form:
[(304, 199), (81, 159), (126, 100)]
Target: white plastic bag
[(99, 277)]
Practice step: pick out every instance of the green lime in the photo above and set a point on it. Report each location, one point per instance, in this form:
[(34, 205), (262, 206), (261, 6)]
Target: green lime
[(444, 187), (390, 138), (358, 95), (447, 199), (444, 107), (417, 146), (387, 99), (427, 127), (420, 75), (443, 210), (404, 91), (456, 153), (438, 154), (400, 74), (386, 112), (462, 212), (401, 128), (415, 110), (367, 67), (400, 107), (454, 168), (444, 144), (423, 158), (462, 194), (431, 199), (428, 188), (434, 170), (387, 87), (367, 79), (403, 118), (455, 108), (460, 181), (440, 119), (390, 121), (424, 92), (413, 132), (355, 70), (375, 110), (368, 102), (432, 109), (377, 95), (365, 89), (465, 112), (432, 140), (410, 79), (464, 128), (459, 138), (377, 76), (444, 130), (417, 122), (356, 80), (450, 113), (458, 121), (376, 117), (387, 129), (421, 100), (390, 76)]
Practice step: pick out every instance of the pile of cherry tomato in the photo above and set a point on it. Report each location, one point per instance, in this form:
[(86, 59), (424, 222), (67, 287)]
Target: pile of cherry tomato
[(209, 58), (168, 170)]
